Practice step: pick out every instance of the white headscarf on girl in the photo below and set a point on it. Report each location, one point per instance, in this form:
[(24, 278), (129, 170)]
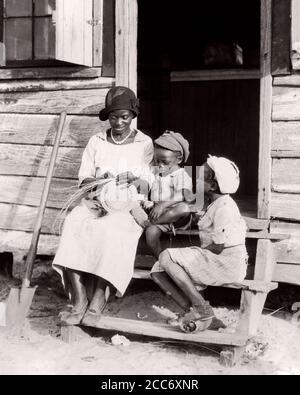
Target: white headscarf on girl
[(226, 173)]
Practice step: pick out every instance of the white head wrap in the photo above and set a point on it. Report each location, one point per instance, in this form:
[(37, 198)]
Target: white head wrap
[(226, 173)]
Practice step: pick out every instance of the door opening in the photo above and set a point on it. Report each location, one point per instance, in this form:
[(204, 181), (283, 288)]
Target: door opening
[(198, 73)]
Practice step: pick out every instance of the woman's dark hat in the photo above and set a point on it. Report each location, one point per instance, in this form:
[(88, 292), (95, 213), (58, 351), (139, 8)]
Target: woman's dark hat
[(119, 98)]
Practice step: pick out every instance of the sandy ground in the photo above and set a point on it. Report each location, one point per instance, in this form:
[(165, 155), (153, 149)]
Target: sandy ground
[(39, 350)]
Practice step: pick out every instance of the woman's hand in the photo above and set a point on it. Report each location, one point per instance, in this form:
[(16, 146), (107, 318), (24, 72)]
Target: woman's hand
[(156, 212), (105, 176), (125, 178)]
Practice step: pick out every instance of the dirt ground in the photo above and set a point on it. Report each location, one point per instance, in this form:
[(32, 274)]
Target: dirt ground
[(39, 350)]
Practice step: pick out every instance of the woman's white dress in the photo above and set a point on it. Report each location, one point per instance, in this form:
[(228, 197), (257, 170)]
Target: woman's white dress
[(105, 246)]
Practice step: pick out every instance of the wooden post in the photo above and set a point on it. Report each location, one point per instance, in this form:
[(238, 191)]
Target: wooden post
[(265, 124), (98, 33), (126, 44), (295, 35), (252, 303)]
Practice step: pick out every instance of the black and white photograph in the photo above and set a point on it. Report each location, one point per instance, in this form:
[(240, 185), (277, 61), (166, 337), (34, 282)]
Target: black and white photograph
[(149, 190)]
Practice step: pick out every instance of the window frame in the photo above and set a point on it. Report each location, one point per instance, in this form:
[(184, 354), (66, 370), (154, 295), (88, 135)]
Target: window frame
[(97, 43)]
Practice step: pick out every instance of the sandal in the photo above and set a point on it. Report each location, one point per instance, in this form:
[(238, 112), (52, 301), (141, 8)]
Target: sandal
[(92, 317), (74, 316), (199, 319)]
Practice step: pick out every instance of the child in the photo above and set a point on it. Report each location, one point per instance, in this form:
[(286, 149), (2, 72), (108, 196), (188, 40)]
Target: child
[(222, 257), (171, 191)]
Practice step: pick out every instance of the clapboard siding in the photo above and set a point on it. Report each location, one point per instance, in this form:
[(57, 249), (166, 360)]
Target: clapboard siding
[(20, 217), (44, 73), (33, 160), (286, 103), (54, 85), (20, 241), (28, 190), (285, 206), (285, 273), (286, 175), (41, 129), (286, 136), (288, 80), (88, 101), (287, 251)]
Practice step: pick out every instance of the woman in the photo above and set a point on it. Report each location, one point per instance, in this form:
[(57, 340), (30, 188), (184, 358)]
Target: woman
[(103, 248)]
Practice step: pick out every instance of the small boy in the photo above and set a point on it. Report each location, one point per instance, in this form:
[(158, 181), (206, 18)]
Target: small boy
[(171, 192)]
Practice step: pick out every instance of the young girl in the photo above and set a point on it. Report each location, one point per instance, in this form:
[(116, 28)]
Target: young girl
[(222, 258), (171, 191)]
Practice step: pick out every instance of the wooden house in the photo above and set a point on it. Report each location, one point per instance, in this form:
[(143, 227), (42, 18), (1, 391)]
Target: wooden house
[(65, 54)]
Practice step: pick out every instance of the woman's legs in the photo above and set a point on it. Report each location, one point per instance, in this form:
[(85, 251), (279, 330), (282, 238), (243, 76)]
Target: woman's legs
[(78, 299), (78, 290), (97, 304), (99, 300)]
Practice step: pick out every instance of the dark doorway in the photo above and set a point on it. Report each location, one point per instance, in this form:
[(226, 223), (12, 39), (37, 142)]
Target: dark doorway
[(198, 73)]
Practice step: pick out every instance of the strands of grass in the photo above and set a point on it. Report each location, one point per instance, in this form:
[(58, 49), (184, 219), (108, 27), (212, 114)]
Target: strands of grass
[(276, 311), (78, 195)]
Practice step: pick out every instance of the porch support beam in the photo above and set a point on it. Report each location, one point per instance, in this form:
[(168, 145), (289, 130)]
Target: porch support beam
[(265, 123), (126, 43)]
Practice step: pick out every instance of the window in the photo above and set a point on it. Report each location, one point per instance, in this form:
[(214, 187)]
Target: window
[(35, 32)]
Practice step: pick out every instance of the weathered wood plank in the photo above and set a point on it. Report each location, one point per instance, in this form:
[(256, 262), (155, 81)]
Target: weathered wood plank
[(287, 251), (108, 56), (74, 35), (122, 48), (40, 129), (295, 36), (281, 37), (20, 241), (22, 218), (286, 136), (55, 84), (88, 101), (98, 33), (28, 190), (286, 175), (285, 206), (214, 75), (265, 123), (126, 43), (50, 72), (288, 80), (285, 154), (29, 160), (286, 103), (167, 332), (285, 273), (292, 229)]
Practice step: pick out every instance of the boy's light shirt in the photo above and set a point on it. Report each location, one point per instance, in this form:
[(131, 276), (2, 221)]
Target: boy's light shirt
[(171, 186)]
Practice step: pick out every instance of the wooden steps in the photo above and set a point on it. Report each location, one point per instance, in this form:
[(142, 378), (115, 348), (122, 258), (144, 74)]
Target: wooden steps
[(250, 285), (165, 331)]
